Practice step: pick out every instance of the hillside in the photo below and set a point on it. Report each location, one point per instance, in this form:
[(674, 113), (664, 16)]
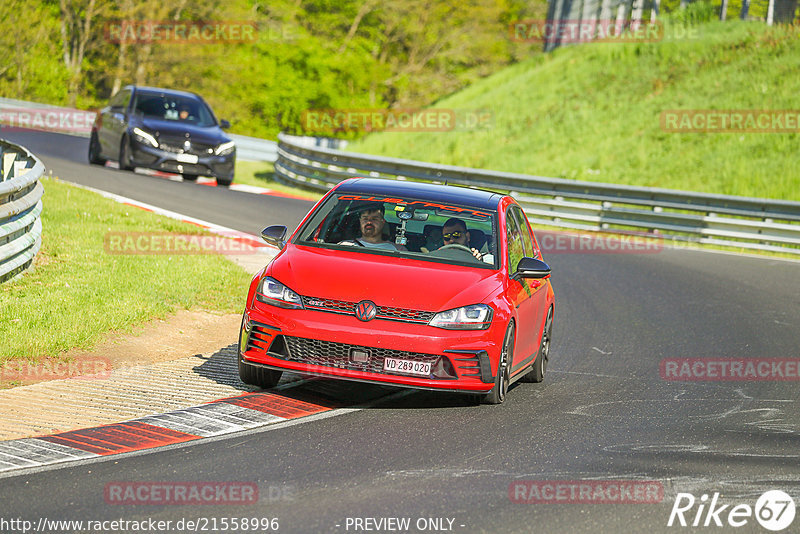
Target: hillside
[(592, 112)]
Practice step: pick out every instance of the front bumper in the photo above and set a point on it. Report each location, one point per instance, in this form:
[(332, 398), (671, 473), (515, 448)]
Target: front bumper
[(327, 344), (205, 165)]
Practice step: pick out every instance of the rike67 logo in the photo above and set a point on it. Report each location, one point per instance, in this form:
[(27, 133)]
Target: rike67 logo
[(774, 510)]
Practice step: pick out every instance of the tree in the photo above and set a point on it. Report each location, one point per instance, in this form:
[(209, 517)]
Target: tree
[(77, 18)]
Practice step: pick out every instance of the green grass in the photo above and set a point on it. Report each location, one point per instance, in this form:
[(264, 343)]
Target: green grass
[(78, 292), (262, 174), (591, 112)]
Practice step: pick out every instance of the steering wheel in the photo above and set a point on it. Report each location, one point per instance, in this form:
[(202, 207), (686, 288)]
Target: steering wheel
[(454, 251)]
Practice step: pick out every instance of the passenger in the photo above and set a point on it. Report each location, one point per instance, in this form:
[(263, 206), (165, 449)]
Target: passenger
[(433, 238)]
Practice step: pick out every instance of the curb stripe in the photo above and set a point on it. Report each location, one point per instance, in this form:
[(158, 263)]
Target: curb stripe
[(285, 407), (212, 182), (225, 416), (39, 452), (120, 437), (28, 452), (212, 420)]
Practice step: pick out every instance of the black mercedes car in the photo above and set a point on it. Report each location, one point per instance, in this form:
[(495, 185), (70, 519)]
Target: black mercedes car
[(164, 130)]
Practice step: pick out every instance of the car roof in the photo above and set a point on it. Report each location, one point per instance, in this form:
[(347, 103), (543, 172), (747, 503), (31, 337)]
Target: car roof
[(145, 89), (465, 196)]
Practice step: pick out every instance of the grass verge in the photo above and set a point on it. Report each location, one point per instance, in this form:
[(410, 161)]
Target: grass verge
[(78, 292), (592, 112), (262, 174)]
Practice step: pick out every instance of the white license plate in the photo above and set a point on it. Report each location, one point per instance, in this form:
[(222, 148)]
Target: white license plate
[(407, 366), (186, 158)]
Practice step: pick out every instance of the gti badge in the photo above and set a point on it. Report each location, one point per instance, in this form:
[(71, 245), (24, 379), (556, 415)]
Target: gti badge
[(366, 310)]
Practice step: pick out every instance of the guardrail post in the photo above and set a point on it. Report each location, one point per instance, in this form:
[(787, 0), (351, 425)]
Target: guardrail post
[(8, 165)]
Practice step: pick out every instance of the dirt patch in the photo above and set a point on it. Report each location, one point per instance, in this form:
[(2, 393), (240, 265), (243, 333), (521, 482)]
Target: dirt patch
[(187, 333)]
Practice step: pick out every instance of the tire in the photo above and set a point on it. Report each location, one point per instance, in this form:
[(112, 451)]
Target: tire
[(94, 150), (124, 155), (539, 367), (258, 376), (498, 393), (190, 177), (221, 182)]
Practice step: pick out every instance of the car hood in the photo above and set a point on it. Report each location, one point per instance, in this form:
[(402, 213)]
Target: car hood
[(385, 280), (207, 134)]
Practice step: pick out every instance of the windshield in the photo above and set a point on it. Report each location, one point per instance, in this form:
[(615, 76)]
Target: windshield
[(174, 108), (409, 227)]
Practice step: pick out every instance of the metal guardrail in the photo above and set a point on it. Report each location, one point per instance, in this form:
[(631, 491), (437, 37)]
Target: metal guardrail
[(254, 149), (257, 149), (752, 223), (20, 207)]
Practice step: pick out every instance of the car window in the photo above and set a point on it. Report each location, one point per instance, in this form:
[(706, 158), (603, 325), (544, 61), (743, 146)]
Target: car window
[(515, 243), (121, 99), (406, 226), (176, 108), (525, 235)]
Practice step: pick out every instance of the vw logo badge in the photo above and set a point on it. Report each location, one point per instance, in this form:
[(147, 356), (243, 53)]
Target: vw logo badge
[(366, 310)]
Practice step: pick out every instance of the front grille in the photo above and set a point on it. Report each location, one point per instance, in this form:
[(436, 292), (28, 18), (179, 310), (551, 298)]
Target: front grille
[(331, 305), (337, 355), (389, 313), (184, 168), (176, 147), (402, 314)]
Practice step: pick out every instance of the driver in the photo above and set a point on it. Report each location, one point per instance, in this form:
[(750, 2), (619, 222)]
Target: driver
[(372, 223), (454, 232)]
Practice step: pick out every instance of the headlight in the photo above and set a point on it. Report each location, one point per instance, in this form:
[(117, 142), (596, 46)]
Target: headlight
[(473, 317), (224, 148), (273, 292), (144, 137)]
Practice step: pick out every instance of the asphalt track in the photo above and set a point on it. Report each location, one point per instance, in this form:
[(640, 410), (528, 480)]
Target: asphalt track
[(604, 411)]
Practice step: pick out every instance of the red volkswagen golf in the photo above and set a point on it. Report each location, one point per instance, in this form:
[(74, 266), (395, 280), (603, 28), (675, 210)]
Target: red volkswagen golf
[(406, 284)]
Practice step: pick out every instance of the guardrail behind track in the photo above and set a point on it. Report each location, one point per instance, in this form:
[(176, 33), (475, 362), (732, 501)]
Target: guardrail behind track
[(753, 223)]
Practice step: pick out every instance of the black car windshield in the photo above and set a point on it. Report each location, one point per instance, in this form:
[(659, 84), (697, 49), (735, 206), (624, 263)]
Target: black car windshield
[(409, 227), (176, 108)]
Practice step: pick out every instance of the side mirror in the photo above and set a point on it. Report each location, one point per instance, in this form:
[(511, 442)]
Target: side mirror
[(533, 268), (224, 124), (274, 235)]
